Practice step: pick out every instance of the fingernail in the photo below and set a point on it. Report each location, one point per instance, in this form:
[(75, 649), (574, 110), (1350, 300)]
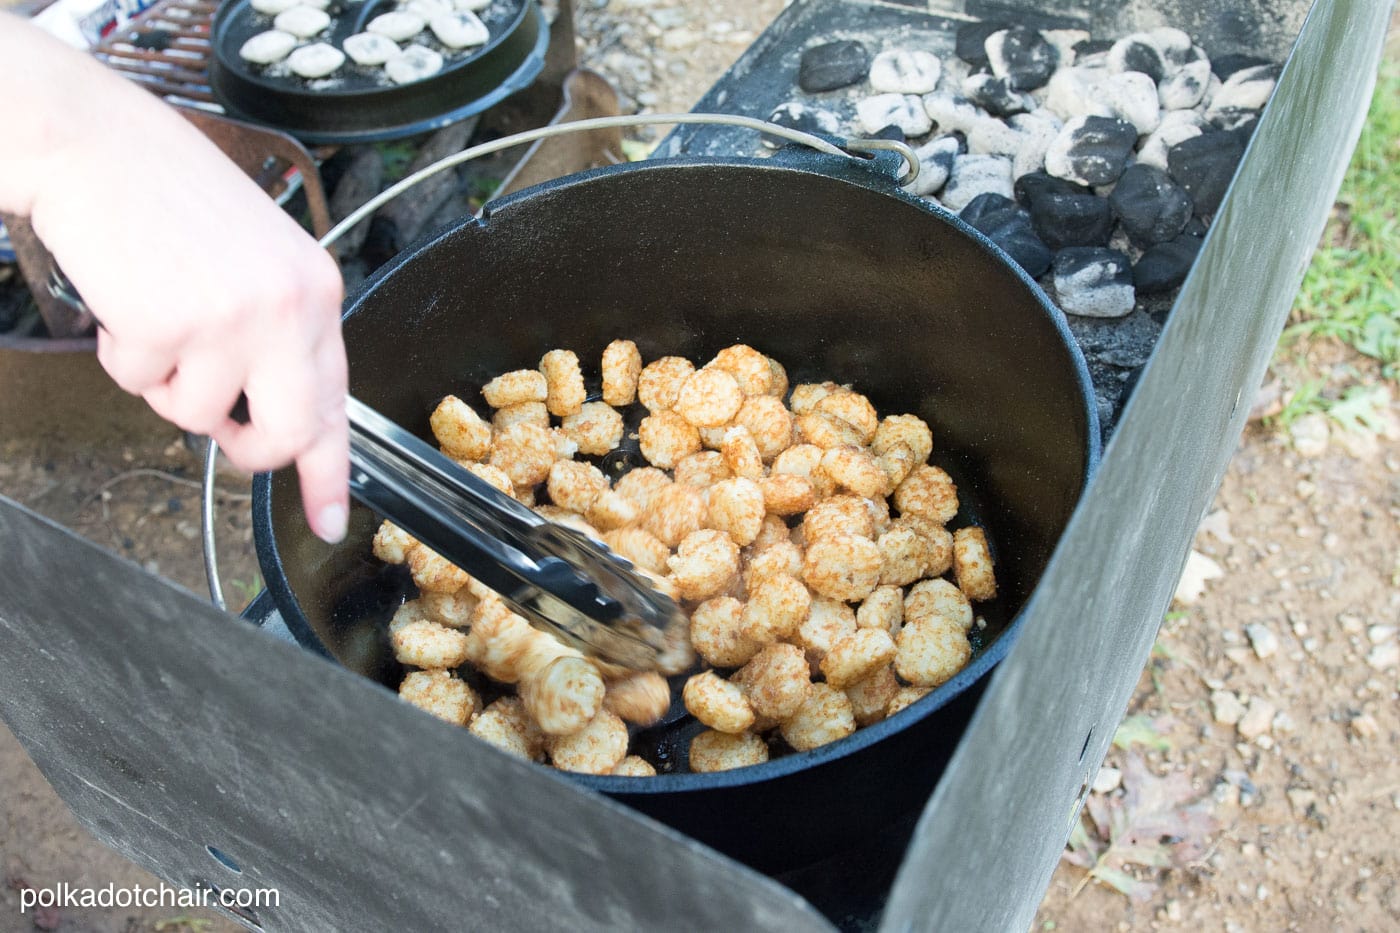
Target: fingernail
[(330, 525)]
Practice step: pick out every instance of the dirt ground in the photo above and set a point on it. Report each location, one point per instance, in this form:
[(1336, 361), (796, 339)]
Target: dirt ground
[(1269, 708)]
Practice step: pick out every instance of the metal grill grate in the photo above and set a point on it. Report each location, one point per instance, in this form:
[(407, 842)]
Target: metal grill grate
[(166, 49)]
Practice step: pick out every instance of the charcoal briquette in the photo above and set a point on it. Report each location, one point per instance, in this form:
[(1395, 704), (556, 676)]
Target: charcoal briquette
[(1151, 207), (1204, 165), (832, 65), (1165, 266), (1022, 56)]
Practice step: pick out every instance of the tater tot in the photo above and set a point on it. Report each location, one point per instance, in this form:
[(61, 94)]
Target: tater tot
[(882, 609), (750, 369), (460, 430), (524, 452), (857, 655), (494, 477), (828, 621), (659, 385), (451, 609), (564, 696), (805, 396), (907, 429), (852, 408), (741, 454), (705, 564), (938, 600), (392, 543), (622, 364), (778, 386), (786, 494), (564, 392), (736, 508), (442, 694), (779, 557), (769, 423), (596, 427), (597, 748), (938, 543), (826, 431), (839, 515), (497, 639), (713, 438), (702, 469), (433, 573), (640, 484), (773, 530), (521, 413), (717, 703), (928, 652), (716, 632), (573, 485), (776, 607), (666, 439), (906, 697), (410, 612), (824, 716), (719, 751), (639, 546), (902, 555), (512, 388), (429, 645), (853, 468), (611, 509), (972, 564), (775, 681), (505, 725), (633, 766), (897, 462), (674, 512), (642, 697), (870, 696), (564, 447), (928, 492), (879, 510), (845, 567), (709, 398)]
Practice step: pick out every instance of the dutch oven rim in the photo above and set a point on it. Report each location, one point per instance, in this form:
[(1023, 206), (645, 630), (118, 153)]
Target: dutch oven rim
[(874, 174)]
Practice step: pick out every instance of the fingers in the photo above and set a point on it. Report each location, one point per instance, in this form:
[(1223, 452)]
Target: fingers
[(134, 367), (200, 394)]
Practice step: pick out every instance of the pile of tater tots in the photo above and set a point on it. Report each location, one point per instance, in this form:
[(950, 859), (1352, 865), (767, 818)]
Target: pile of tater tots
[(805, 538)]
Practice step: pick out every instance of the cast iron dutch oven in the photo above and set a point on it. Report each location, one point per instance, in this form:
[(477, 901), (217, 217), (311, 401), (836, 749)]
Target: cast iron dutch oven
[(822, 263)]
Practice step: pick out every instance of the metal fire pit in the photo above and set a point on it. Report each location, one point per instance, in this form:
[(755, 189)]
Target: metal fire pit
[(170, 728)]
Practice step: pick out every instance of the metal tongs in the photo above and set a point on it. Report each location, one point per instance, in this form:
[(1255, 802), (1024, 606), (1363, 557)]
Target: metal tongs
[(559, 579)]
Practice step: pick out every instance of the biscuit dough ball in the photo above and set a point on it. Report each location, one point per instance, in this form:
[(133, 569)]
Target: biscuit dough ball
[(720, 751), (573, 485), (852, 408), (740, 453), (717, 703), (972, 564), (565, 696), (429, 645), (828, 621), (751, 370), (776, 681), (642, 697), (433, 573), (786, 494), (442, 694), (825, 716), (640, 484), (633, 766), (596, 427), (451, 609), (462, 433), (857, 655), (702, 469), (903, 556), (673, 512), (853, 468), (564, 392), (845, 567), (512, 388), (826, 431), (871, 695), (768, 422), (839, 515), (806, 395), (622, 365), (666, 439), (736, 507), (882, 609), (595, 749), (639, 546), (938, 600), (709, 398), (928, 652), (776, 607), (705, 564), (904, 429), (779, 557), (524, 452), (716, 632), (536, 413), (928, 492), (660, 382), (392, 544)]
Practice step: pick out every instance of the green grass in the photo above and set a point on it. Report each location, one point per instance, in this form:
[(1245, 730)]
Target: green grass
[(1351, 291)]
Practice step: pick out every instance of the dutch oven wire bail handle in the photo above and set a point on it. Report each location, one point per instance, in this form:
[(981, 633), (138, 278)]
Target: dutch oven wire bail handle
[(862, 149)]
